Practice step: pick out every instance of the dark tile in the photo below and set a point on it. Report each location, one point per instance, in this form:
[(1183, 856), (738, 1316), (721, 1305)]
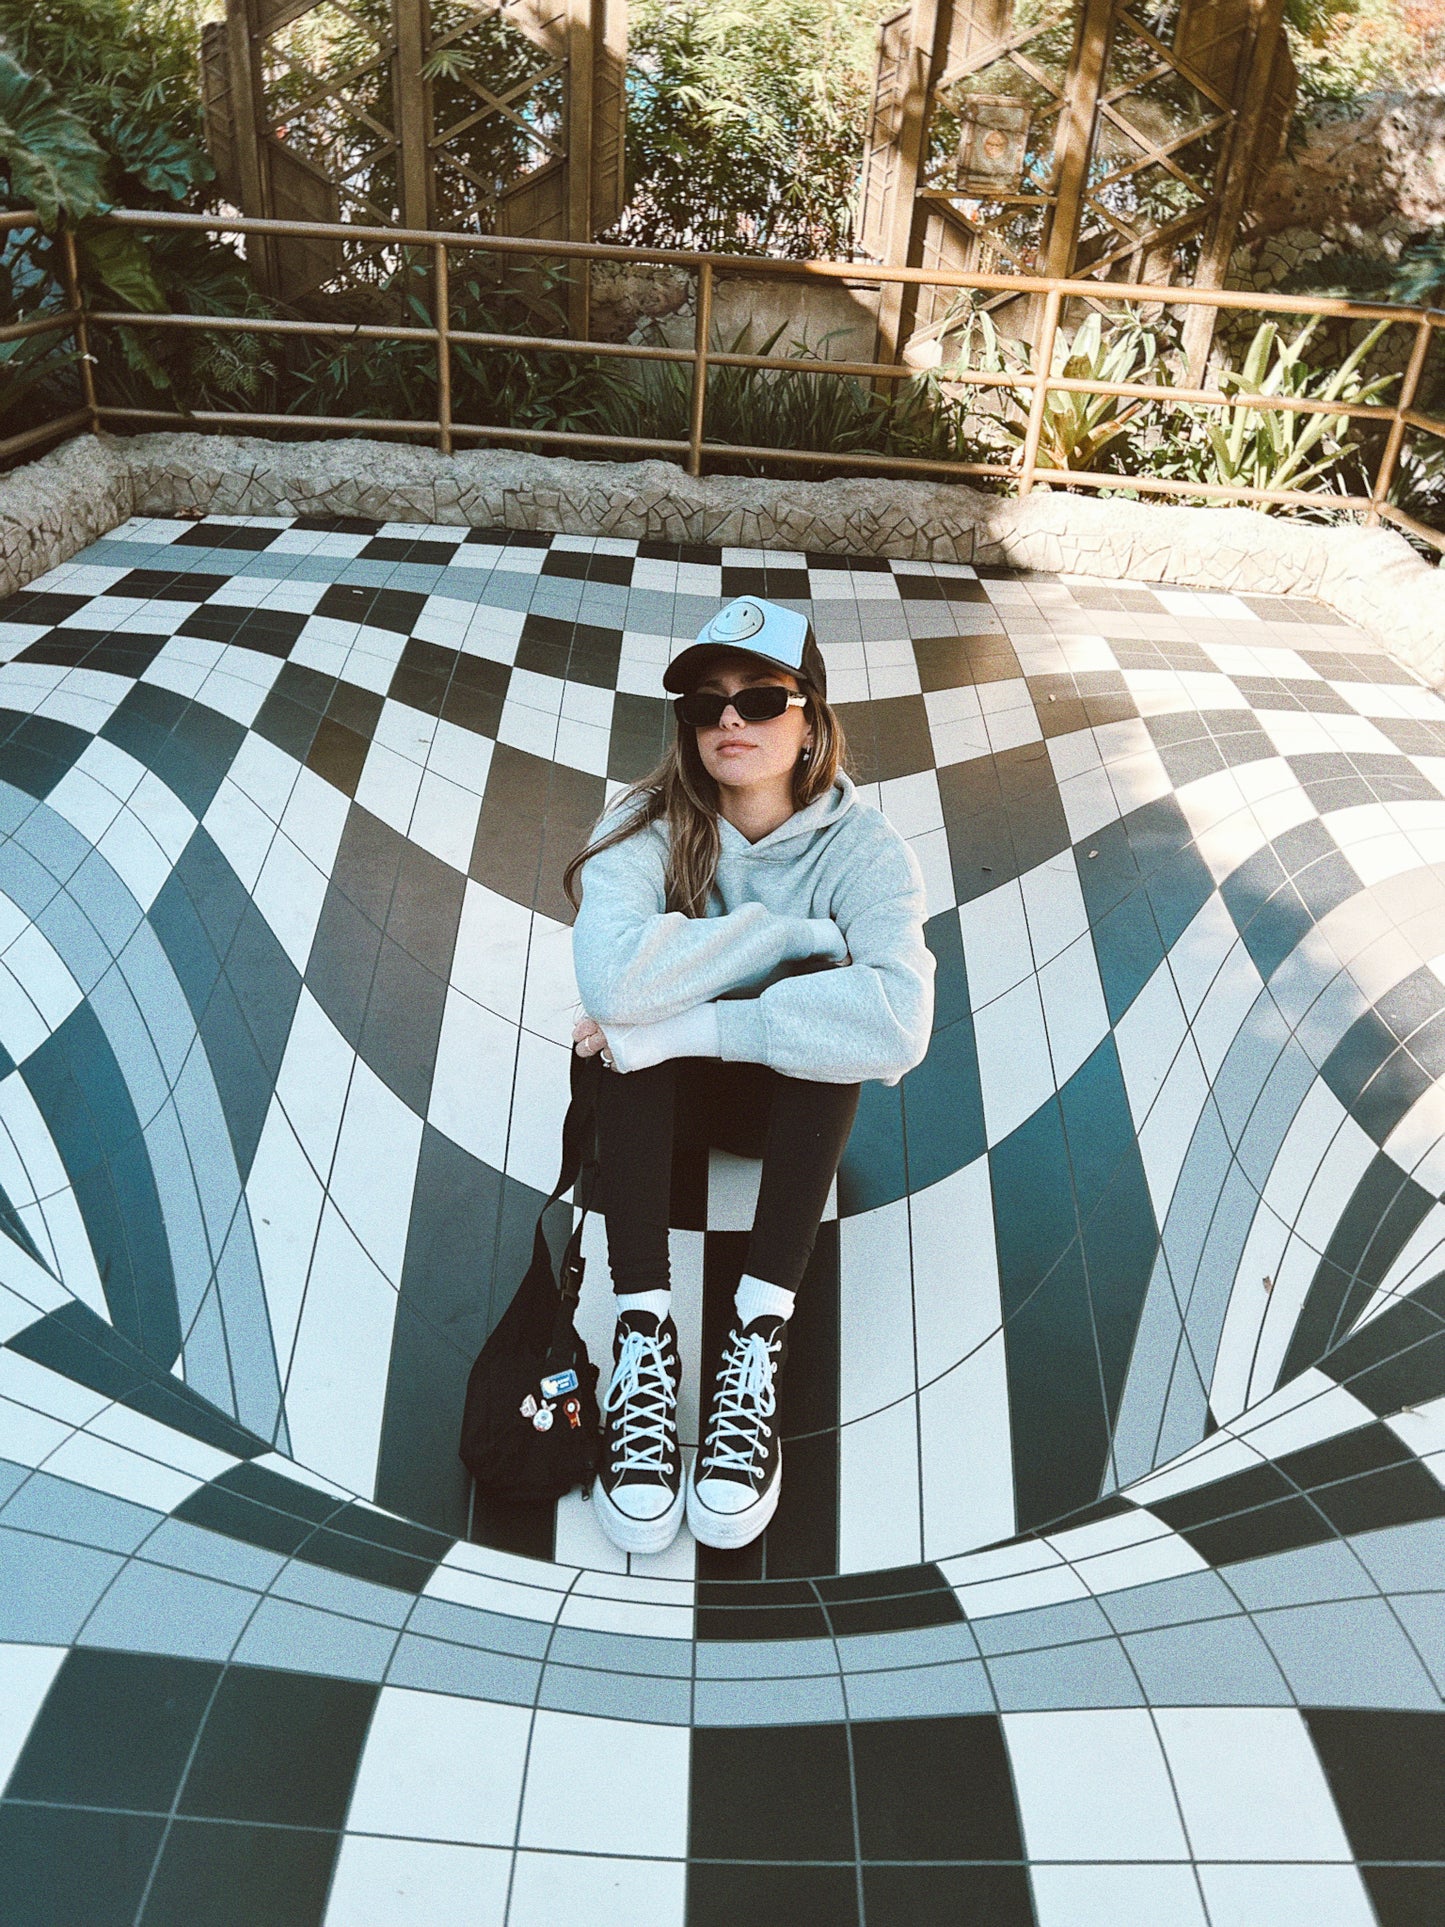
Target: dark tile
[(777, 584), (1383, 1211), (570, 651), (401, 1024), (278, 1747), (934, 1789), (952, 662), (114, 654), (218, 1509), (947, 1896), (724, 1895), (43, 607), (401, 548), (1397, 1085), (83, 1097), (226, 535), (393, 609), (889, 1601), (807, 1813), (589, 568), (1363, 1050), (217, 1875), (61, 1868), (336, 524), (116, 1730), (76, 1343), (444, 1312), (1406, 1896), (535, 816), (887, 738), (338, 755), (1387, 1773), (272, 632), (168, 585), (36, 751), (942, 1106), (475, 695)]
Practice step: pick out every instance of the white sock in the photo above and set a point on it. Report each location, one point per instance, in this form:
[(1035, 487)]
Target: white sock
[(757, 1299), (659, 1303)]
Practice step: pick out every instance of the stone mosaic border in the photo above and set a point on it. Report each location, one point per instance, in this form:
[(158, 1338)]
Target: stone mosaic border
[(53, 507)]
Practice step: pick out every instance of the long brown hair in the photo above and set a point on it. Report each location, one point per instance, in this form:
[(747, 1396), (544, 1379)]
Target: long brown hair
[(680, 792)]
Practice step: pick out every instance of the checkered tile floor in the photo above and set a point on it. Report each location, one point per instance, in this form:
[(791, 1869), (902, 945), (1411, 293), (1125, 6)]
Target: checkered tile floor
[(1109, 1581)]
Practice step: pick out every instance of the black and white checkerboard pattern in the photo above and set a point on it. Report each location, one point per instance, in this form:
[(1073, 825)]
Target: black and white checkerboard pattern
[(1107, 1584)]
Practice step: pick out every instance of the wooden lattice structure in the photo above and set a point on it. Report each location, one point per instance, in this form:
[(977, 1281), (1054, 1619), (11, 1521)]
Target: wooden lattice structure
[(482, 116), (1107, 139)]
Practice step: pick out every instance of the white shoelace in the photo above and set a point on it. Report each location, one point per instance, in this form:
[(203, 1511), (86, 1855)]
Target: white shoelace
[(744, 1399), (643, 1394)]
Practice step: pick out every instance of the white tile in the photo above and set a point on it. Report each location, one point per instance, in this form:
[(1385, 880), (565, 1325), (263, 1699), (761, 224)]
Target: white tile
[(552, 1887), (388, 786), (601, 1811), (105, 1467), (1250, 1784), (374, 1170), (996, 949), (241, 830), (544, 1074), (1116, 1896), (1054, 906), (266, 774), (290, 893), (441, 1768), (1015, 1070), (26, 1673), (1089, 803), (1286, 1896), (471, 1094), (444, 820), (335, 1387), (417, 1883), (527, 729), (875, 1310), (1074, 1010), (879, 1508), (1093, 1786), (489, 962), (461, 756), (912, 804), (581, 746)]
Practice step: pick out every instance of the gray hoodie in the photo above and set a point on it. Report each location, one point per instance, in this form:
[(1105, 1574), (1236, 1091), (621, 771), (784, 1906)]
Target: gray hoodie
[(810, 958)]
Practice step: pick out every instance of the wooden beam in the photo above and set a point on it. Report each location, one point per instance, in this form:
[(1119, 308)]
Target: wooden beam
[(927, 27), (578, 203), (410, 25), (1233, 180), (1074, 135)]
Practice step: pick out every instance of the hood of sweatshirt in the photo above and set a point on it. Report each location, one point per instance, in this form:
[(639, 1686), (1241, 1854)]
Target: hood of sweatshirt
[(780, 845)]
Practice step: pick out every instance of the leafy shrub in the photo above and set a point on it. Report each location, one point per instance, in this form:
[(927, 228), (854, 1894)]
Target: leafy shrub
[(745, 123), (1274, 448)]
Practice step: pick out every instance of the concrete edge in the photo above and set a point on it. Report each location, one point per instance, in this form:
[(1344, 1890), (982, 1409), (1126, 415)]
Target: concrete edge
[(55, 506)]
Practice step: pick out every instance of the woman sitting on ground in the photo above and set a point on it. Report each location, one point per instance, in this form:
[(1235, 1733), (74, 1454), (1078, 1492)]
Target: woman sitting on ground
[(748, 949)]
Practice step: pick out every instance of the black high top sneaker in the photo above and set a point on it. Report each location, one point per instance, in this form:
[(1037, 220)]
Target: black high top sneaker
[(738, 1472), (638, 1494)]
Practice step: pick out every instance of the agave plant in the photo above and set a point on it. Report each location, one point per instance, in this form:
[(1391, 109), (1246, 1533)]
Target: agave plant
[(1077, 429), (1276, 448)]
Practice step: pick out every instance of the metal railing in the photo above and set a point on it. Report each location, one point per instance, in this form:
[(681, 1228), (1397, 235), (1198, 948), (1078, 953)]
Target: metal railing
[(1037, 384)]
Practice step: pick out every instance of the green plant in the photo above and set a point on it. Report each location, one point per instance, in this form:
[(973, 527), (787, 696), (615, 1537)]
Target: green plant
[(745, 123), (807, 407), (1078, 430), (1275, 448)]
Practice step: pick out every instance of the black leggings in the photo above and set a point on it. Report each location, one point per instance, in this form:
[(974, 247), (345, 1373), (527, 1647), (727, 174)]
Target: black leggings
[(799, 1129)]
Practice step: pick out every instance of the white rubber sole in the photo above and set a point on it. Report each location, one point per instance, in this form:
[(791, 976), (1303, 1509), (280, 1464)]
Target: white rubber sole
[(638, 1535), (727, 1531)]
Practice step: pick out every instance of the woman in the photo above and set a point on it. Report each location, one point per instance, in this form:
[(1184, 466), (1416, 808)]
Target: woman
[(749, 948)]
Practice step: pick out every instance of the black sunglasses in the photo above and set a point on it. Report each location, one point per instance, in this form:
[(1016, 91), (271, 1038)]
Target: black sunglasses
[(703, 708)]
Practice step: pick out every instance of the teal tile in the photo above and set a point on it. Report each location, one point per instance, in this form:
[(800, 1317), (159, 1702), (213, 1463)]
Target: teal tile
[(211, 1875), (278, 1747), (116, 1730), (61, 1868)]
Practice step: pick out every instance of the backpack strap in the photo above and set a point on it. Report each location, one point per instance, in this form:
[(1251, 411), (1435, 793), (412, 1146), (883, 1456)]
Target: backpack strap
[(579, 1158)]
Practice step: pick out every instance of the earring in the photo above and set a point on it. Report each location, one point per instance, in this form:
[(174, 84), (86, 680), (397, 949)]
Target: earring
[(807, 755)]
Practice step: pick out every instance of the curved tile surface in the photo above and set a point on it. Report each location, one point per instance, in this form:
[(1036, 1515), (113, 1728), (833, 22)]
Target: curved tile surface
[(1107, 1583)]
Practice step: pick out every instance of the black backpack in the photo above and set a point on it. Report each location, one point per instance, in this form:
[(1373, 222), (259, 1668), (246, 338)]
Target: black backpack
[(530, 1424)]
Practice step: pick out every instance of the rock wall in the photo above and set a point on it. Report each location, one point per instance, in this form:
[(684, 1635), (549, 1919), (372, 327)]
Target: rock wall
[(55, 506), (1354, 180)]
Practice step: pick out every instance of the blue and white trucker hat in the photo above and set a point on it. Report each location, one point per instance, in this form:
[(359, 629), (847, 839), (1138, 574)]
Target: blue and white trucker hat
[(751, 627)]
